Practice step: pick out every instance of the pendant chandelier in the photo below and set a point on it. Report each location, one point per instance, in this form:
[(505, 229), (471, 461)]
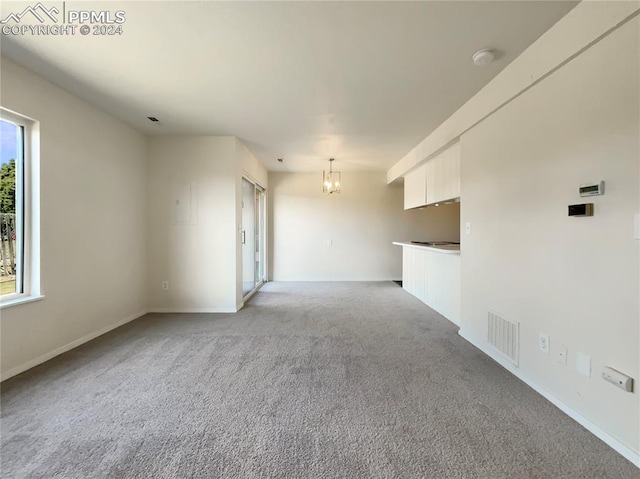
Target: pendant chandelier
[(331, 180)]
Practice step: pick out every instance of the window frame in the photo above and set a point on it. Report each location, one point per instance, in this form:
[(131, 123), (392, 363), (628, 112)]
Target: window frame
[(27, 213)]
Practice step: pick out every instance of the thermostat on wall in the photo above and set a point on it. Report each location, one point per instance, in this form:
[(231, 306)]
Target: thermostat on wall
[(592, 189), (585, 209)]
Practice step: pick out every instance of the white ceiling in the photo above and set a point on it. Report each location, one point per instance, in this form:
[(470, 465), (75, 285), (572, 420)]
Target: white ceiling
[(363, 82)]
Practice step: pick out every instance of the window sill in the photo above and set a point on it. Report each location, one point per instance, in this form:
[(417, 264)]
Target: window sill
[(20, 300)]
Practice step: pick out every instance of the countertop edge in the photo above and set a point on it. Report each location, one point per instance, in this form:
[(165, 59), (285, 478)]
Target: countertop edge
[(430, 248)]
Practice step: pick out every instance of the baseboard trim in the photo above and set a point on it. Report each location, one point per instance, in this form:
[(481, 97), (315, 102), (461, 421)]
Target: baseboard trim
[(611, 441), (67, 347), (192, 310)]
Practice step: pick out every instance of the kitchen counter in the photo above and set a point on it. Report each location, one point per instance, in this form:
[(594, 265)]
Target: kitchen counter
[(450, 249), (433, 277)]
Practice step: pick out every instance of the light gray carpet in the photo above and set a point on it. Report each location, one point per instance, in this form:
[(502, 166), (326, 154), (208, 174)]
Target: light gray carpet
[(310, 380)]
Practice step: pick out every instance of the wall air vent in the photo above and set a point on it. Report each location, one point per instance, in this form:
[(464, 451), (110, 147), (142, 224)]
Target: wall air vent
[(504, 335)]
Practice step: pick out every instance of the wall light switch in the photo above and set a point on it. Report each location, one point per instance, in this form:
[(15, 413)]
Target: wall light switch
[(329, 242), (583, 364), (467, 228)]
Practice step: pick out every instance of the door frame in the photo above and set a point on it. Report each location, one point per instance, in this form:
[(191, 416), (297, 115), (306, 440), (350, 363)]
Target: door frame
[(261, 214)]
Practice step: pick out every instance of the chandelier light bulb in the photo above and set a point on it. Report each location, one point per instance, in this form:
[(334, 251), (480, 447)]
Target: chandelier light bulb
[(331, 180)]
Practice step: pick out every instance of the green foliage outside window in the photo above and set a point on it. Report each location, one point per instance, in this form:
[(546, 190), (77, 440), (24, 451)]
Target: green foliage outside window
[(8, 187)]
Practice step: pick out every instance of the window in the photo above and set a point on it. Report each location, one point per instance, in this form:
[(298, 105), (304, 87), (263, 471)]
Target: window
[(19, 228)]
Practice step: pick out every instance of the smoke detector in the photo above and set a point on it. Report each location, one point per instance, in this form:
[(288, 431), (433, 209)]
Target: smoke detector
[(483, 57)]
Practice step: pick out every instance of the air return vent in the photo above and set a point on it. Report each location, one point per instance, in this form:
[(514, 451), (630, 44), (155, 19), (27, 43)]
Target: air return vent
[(504, 335)]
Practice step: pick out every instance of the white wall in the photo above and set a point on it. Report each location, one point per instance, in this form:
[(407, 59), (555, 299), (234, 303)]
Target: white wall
[(197, 254), (361, 222), (110, 229), (575, 279), (93, 215), (250, 165)]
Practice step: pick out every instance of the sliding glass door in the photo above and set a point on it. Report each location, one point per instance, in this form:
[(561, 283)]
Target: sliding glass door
[(253, 236)]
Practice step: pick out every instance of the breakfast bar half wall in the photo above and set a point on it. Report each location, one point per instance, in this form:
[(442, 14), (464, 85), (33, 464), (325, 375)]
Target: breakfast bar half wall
[(432, 274)]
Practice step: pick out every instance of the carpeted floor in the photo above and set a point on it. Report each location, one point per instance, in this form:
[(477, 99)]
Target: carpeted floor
[(310, 380)]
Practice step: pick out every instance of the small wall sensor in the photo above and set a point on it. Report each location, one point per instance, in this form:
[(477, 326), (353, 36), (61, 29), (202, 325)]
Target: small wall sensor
[(592, 189), (280, 160)]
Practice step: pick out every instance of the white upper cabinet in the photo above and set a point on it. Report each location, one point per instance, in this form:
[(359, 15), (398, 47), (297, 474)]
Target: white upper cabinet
[(443, 175), (415, 188), (435, 181)]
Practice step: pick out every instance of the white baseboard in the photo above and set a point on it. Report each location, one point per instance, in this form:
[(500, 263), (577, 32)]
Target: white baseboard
[(192, 310), (611, 441), (67, 347)]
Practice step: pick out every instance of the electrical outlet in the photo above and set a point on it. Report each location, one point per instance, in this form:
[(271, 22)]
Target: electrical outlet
[(165, 286), (467, 228), (543, 343), (562, 355)]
